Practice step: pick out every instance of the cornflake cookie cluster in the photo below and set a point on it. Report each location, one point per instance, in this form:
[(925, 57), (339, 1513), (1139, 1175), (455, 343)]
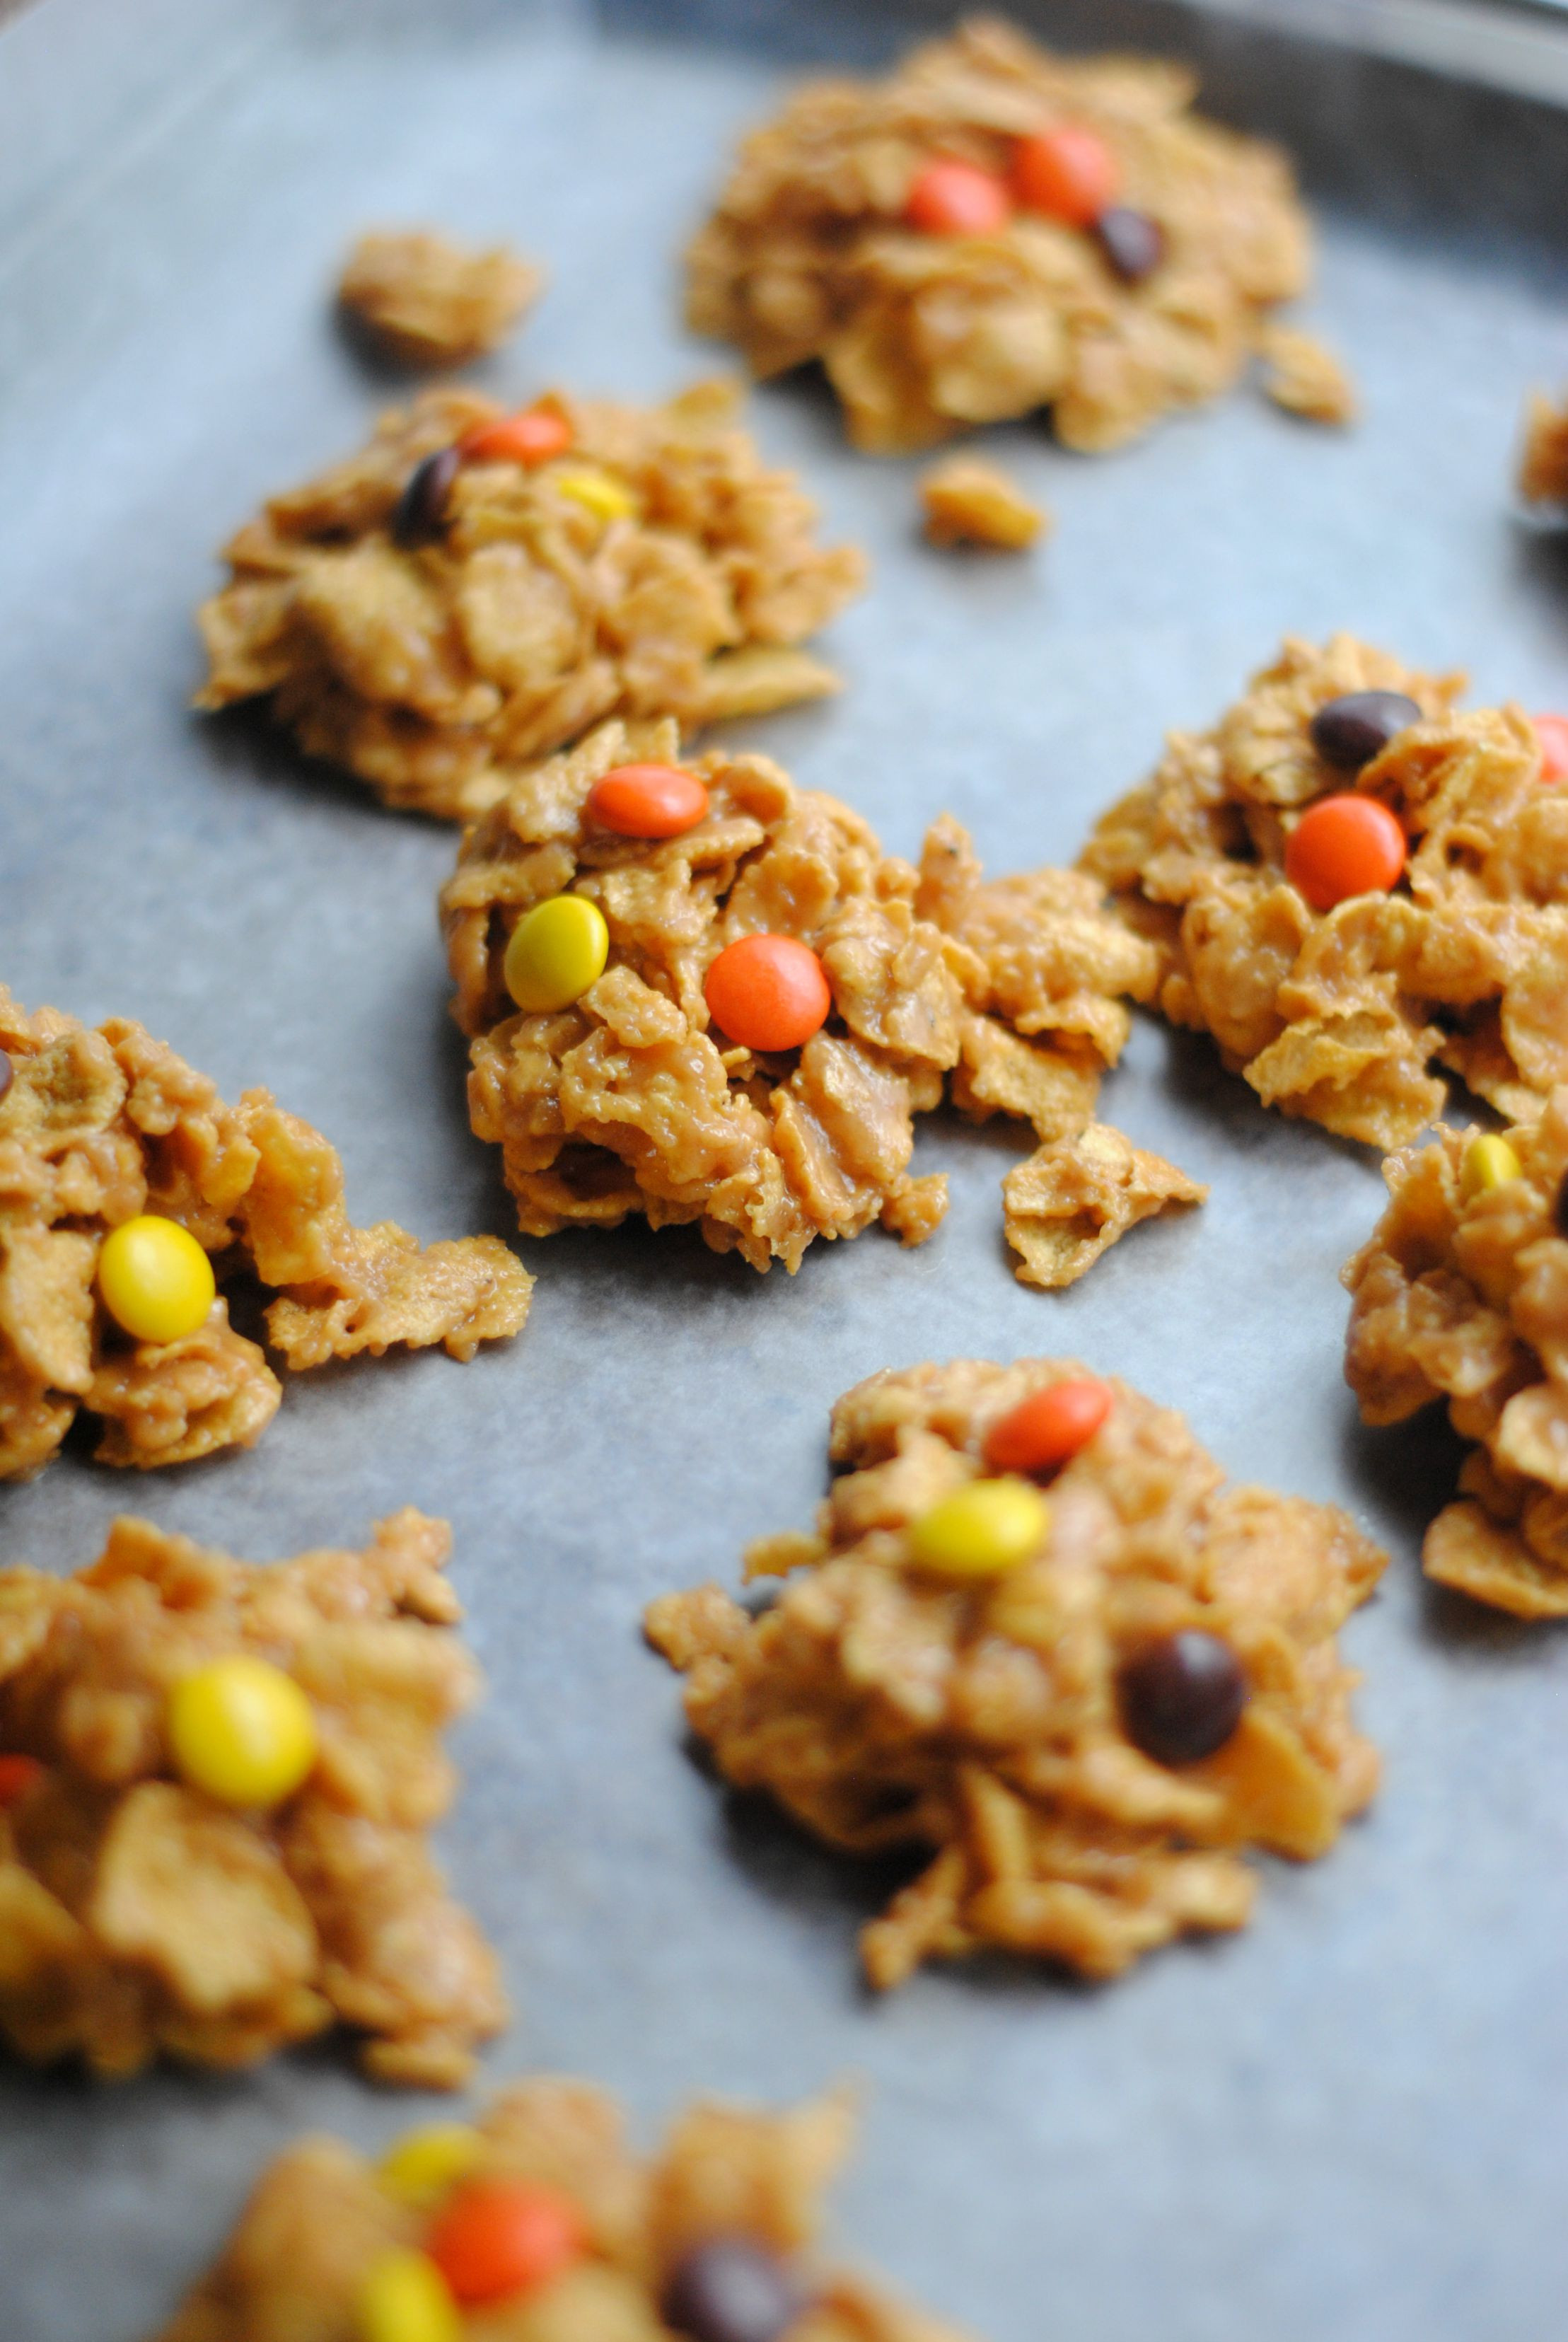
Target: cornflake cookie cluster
[(102, 1133), (474, 590), (430, 302), (217, 1780), (622, 1090), (993, 229), (541, 2220), (1340, 959), (1462, 1294), (1083, 1704)]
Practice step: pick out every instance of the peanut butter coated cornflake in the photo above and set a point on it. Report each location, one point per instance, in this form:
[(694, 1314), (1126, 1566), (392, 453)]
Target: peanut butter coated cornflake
[(650, 566), (98, 1127), (1543, 457), (1344, 1016), (631, 1099), (811, 253), (142, 1914), (642, 2246), (430, 302), (1462, 1294), (895, 1696)]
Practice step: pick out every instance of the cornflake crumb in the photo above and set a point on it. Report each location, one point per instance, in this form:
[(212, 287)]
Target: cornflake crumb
[(1543, 460), (968, 502), (981, 1721), (141, 1915), (1075, 1198), (1304, 376), (432, 302)]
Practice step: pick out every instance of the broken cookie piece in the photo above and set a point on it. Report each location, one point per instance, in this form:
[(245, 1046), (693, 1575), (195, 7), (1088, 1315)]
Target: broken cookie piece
[(993, 229), (1303, 374), (1076, 1196), (430, 302), (968, 502), (127, 1189), (1543, 457), (476, 590), (539, 2220), (1036, 1640), (1353, 884), (1462, 1294), (695, 992), (217, 1781)]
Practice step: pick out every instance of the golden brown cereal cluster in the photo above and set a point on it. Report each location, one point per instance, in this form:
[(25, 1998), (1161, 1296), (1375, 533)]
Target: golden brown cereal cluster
[(99, 1126), (1344, 1016), (321, 2216), (969, 502), (981, 1724), (432, 302), (625, 1103), (1543, 459), (807, 256), (1461, 1293), (141, 1915), (655, 568)]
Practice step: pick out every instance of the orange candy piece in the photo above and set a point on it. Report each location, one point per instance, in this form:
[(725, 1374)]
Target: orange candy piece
[(1551, 731), (768, 992), (1046, 1430), (1068, 172), (501, 2237), (17, 1775), (530, 437), (957, 199), (647, 801), (1344, 845)]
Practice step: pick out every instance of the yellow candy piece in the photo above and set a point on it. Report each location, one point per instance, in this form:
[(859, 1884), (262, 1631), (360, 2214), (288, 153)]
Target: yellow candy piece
[(556, 951), (404, 2298), (605, 499), (1487, 1162), (426, 2164), (983, 1530), (155, 1279), (242, 1731)]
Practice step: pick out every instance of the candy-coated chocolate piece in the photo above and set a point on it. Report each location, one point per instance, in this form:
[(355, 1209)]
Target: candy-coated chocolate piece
[(404, 2298), (1344, 845), (730, 2290), (155, 1278), (1045, 1430), (420, 512), (1551, 731), (242, 1731), (1132, 242), (556, 951), (952, 199), (531, 437), (1488, 1162), (768, 993), (982, 1530), (598, 493), (647, 801), (502, 2237), (1182, 1697), (1350, 731), (426, 2164), (1068, 172)]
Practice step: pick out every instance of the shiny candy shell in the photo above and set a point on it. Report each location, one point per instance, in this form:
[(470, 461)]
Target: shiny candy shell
[(155, 1280), (556, 951), (982, 1530), (242, 1730)]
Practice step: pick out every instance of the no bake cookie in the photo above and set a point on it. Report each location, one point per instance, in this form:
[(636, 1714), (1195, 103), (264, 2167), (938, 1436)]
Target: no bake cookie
[(674, 912), (1082, 1701), (474, 590), (1353, 884), (108, 1141), (541, 2221), (215, 1782), (430, 302), (1462, 1295), (993, 229)]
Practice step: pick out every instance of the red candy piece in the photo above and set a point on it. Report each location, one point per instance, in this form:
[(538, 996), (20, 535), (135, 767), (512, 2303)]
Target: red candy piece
[(1344, 845), (768, 992), (500, 2237), (1551, 731), (17, 1775), (1045, 1430), (1068, 172), (957, 199), (530, 437), (647, 801)]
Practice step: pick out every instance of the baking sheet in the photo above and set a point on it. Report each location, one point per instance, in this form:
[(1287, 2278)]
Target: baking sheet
[(1348, 2122)]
